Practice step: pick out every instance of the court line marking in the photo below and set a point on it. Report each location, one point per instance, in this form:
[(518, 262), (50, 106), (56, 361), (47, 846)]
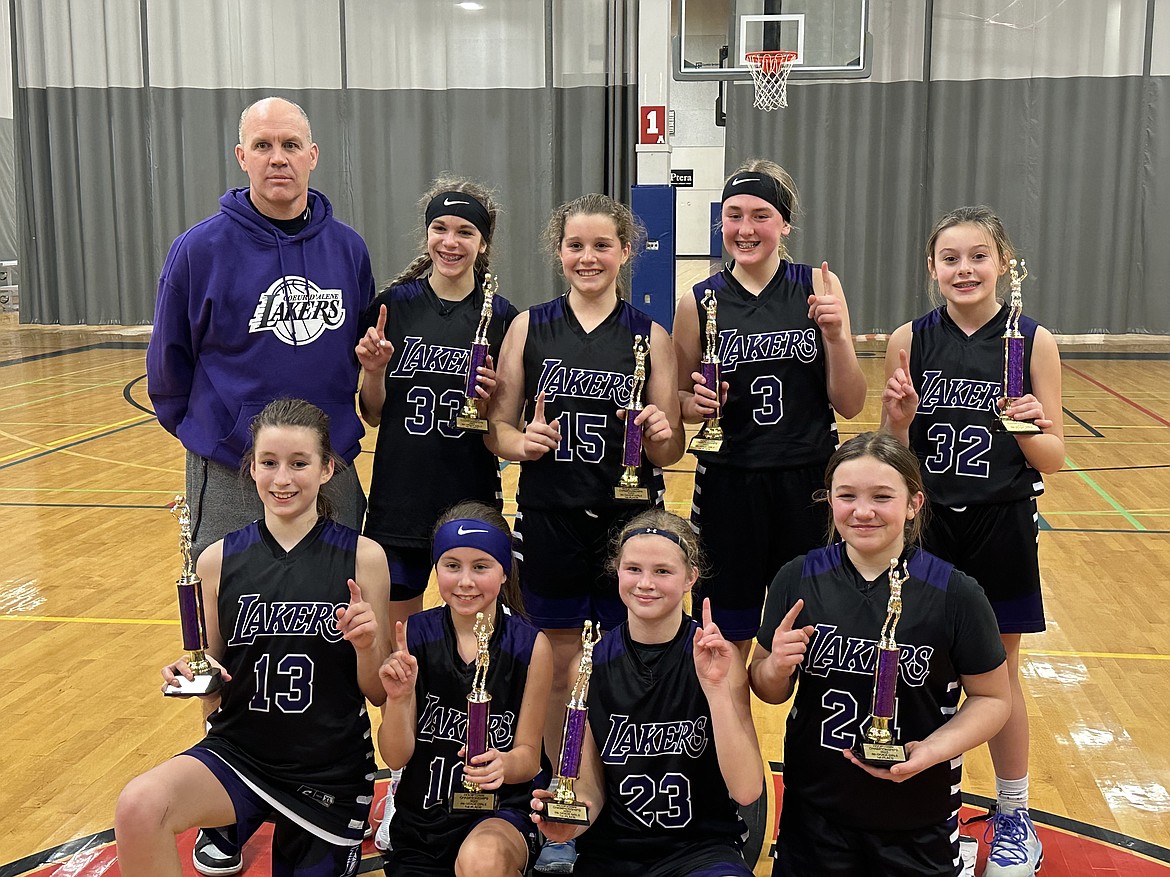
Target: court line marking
[(1134, 522), (67, 619), (53, 354), (1113, 392), (35, 446), (140, 422), (79, 505)]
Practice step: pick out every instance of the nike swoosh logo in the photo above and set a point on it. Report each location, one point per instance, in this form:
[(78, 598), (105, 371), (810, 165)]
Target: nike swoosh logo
[(463, 532), (739, 180), (447, 202)]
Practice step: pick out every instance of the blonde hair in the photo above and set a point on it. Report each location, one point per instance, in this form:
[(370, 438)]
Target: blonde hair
[(983, 218), (629, 229), (782, 178), (421, 264)]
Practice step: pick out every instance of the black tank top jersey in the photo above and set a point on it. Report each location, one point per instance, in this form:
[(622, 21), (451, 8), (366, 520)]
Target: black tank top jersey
[(293, 714), (422, 821), (965, 459), (947, 629), (422, 463), (666, 802), (586, 378), (777, 413)]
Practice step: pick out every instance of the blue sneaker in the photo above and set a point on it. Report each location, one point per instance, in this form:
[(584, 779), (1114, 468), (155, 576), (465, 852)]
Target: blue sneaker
[(557, 858), (1015, 851)]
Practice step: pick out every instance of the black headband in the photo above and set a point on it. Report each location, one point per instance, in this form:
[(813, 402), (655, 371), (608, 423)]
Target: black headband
[(464, 206), (762, 186), (654, 531)]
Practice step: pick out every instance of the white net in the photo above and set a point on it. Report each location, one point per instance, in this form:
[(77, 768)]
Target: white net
[(770, 74)]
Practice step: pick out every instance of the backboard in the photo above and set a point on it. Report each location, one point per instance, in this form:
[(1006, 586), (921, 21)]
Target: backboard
[(830, 37)]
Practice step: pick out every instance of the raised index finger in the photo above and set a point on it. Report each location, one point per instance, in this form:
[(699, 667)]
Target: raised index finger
[(826, 279), (381, 327), (706, 612), (538, 414), (904, 361), (355, 592), (790, 618)]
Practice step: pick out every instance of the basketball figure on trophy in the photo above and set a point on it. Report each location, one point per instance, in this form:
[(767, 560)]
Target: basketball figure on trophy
[(564, 806), (1013, 356), (630, 486), (478, 721), (207, 676)]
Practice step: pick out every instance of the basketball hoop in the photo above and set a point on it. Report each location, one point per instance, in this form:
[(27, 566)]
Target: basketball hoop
[(770, 74)]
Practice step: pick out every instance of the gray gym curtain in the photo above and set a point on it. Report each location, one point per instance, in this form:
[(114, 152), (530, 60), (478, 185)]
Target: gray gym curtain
[(7, 166), (1055, 112), (127, 111)]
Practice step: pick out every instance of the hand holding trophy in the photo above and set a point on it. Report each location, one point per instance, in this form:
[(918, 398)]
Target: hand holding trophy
[(630, 487), (478, 719), (564, 806), (469, 416), (1013, 357), (207, 677), (879, 746)]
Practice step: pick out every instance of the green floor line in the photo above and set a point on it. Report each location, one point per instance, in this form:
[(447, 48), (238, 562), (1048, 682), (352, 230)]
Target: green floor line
[(1134, 522)]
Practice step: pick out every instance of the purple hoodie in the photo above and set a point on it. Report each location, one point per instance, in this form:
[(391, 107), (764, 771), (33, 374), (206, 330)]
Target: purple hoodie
[(247, 314)]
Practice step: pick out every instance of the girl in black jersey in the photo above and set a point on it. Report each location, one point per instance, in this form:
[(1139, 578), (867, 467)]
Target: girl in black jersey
[(823, 618), (566, 367), (671, 747), (424, 719), (788, 365), (296, 610), (945, 372), (414, 357)]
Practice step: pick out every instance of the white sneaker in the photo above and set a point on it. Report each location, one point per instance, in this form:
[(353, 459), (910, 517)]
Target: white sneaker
[(968, 853), (382, 835), (209, 859), (1016, 850)]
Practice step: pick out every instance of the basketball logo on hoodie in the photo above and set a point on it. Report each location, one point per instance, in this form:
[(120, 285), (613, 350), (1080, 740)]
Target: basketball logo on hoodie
[(297, 311)]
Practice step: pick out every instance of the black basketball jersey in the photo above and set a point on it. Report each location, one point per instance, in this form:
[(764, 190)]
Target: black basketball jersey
[(777, 413), (422, 821), (667, 809), (586, 377), (965, 459), (293, 714), (423, 464), (946, 630)]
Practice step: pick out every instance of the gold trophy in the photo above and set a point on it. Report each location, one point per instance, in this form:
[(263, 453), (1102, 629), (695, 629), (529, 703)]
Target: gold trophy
[(207, 678), (879, 747), (564, 806), (469, 416), (710, 435), (629, 487), (478, 718), (1013, 357)]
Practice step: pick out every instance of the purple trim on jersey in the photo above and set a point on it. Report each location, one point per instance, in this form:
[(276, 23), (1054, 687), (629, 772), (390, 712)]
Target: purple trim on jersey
[(339, 536), (473, 533), (798, 272), (934, 318), (241, 540), (723, 869), (823, 560), (932, 570), (514, 637), (548, 312)]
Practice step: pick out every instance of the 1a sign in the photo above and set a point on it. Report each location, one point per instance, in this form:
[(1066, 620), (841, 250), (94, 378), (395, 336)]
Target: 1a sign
[(653, 125)]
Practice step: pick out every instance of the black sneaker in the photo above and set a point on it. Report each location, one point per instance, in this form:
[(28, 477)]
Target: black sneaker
[(209, 859)]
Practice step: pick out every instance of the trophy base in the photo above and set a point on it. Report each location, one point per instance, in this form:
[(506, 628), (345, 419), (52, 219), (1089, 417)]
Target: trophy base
[(574, 814), (880, 754), (698, 443), (475, 424), (203, 684), (631, 493), (474, 802), (1017, 427)]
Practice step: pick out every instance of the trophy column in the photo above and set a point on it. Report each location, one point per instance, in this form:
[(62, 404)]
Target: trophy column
[(630, 487), (478, 718), (879, 747), (564, 806), (710, 435), (207, 678), (1013, 357), (469, 416)]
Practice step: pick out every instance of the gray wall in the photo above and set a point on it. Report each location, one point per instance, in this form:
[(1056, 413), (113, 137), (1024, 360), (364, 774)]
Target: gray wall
[(1058, 118), (8, 235), (129, 113)]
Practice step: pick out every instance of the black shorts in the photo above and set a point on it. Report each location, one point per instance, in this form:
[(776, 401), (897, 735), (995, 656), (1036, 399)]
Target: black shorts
[(564, 556), (410, 571), (996, 545), (440, 862), (812, 844), (752, 522), (296, 850)]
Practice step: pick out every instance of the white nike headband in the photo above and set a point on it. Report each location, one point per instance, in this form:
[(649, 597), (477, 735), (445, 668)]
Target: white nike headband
[(761, 185), (473, 533), (464, 206)]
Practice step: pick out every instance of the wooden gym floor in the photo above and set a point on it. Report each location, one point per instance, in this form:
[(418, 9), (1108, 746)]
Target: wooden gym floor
[(89, 560)]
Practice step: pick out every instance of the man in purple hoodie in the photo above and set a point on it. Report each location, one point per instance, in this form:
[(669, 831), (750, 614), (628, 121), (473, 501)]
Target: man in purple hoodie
[(259, 301)]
